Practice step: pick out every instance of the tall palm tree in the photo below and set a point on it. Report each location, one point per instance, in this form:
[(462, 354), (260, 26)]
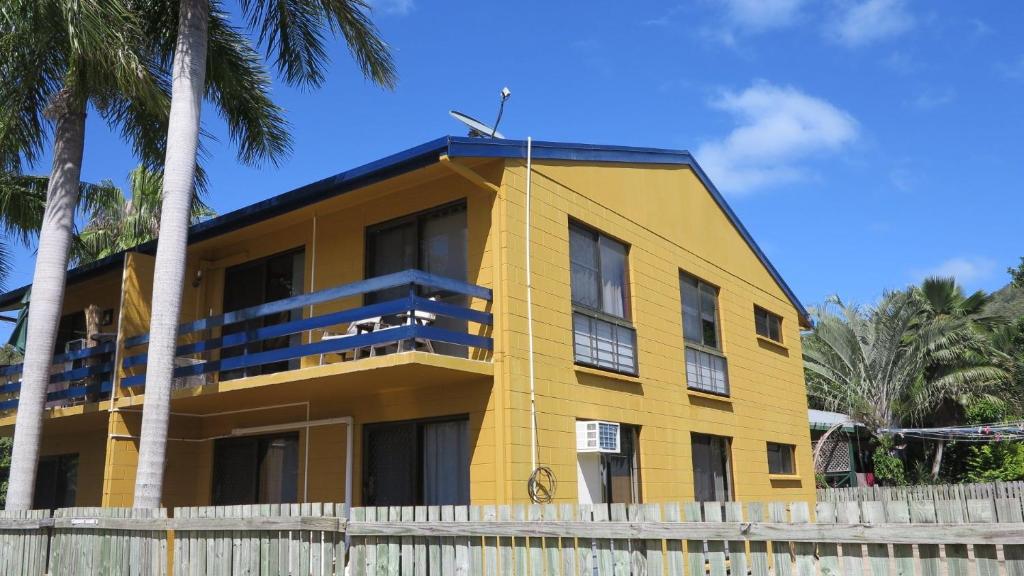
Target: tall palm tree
[(55, 58), (116, 223), (872, 362), (60, 58), (946, 302), (293, 35)]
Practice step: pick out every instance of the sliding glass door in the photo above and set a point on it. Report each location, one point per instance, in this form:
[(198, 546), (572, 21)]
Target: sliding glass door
[(258, 282), (434, 241)]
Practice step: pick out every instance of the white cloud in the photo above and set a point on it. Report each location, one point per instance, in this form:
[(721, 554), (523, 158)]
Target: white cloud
[(1013, 70), (396, 7), (966, 270), (757, 15), (778, 126), (931, 99), (868, 21)]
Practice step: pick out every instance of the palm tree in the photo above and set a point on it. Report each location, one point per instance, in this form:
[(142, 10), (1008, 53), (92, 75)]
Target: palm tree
[(59, 58), (116, 223), (293, 36), (56, 58), (895, 363), (946, 301)]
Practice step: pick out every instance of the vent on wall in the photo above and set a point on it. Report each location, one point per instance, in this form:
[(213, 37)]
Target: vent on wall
[(597, 436)]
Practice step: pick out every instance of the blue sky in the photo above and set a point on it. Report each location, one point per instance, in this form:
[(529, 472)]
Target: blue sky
[(864, 143)]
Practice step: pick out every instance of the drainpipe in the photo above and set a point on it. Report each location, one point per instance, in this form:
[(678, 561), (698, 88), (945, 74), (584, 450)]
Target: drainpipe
[(529, 307)]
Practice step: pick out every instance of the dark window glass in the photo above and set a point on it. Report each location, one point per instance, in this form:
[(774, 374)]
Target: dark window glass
[(599, 277), (56, 482), (712, 480), (71, 327), (256, 470), (706, 368), (767, 324), (602, 334), (259, 282), (622, 470), (416, 463), (434, 241), (780, 458), (700, 312)]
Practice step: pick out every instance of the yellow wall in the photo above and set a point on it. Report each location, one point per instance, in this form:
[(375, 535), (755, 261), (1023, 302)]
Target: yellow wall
[(671, 223)]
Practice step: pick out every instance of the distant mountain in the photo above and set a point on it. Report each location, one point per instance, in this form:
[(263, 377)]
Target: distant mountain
[(1008, 302)]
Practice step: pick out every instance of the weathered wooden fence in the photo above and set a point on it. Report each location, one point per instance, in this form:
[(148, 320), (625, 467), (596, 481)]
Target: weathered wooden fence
[(962, 492), (985, 537)]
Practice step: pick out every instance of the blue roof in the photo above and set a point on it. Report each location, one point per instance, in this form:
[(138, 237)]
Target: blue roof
[(424, 155)]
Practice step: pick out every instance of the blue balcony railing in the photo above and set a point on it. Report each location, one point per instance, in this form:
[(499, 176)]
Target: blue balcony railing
[(200, 354), (86, 375), (75, 377)]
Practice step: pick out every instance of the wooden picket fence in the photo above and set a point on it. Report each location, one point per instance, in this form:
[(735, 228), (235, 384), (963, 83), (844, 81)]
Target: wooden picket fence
[(985, 537), (961, 492)]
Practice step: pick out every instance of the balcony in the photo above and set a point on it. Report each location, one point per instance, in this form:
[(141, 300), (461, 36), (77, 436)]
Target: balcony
[(436, 317)]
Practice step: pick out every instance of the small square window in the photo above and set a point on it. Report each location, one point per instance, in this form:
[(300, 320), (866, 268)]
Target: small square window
[(781, 458), (767, 324)]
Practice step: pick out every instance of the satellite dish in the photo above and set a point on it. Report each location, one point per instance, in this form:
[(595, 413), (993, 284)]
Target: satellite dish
[(477, 129)]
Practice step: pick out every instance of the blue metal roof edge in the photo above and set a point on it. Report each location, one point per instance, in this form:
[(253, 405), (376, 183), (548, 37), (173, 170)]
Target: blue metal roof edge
[(487, 148), (424, 155)]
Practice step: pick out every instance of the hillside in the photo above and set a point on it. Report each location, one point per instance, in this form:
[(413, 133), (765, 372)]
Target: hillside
[(1007, 301)]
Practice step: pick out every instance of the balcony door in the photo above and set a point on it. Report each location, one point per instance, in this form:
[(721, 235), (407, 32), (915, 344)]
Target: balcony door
[(416, 463), (258, 282), (434, 241)]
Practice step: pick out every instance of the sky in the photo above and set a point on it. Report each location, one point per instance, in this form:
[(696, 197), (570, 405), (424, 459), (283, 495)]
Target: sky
[(865, 144)]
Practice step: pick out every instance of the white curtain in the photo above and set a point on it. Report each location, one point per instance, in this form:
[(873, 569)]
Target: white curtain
[(613, 277), (446, 463)]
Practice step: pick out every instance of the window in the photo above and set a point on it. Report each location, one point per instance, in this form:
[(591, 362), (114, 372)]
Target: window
[(434, 241), (56, 482), (767, 324), (256, 470), (705, 365), (611, 477), (416, 463), (712, 479), (257, 282), (603, 335), (780, 458)]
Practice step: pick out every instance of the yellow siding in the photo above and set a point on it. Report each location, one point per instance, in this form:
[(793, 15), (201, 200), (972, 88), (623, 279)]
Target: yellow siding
[(671, 224)]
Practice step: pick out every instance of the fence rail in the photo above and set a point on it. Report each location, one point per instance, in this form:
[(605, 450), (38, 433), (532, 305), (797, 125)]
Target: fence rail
[(985, 537)]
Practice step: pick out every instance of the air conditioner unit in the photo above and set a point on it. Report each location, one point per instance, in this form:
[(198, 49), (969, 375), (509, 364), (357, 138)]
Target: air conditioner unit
[(75, 346), (597, 436)]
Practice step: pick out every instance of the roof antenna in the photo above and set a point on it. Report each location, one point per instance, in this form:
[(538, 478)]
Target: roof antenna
[(478, 129)]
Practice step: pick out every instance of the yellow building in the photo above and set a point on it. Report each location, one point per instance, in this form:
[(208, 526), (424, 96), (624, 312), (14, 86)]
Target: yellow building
[(431, 327)]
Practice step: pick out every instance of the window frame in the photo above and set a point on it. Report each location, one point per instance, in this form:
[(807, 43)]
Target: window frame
[(769, 315), (416, 219), (791, 449), (418, 466), (623, 322), (701, 347), (221, 444), (626, 320)]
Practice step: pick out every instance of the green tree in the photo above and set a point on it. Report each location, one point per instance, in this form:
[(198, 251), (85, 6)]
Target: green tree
[(893, 364), (293, 35), (58, 59), (947, 303), (994, 461), (1017, 274), (116, 223)]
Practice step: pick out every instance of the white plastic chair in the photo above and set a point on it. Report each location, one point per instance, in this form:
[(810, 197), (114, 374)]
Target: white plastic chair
[(355, 328)]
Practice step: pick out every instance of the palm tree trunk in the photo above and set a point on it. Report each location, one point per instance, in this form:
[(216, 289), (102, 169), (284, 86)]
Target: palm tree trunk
[(937, 461), (188, 85), (47, 300)]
